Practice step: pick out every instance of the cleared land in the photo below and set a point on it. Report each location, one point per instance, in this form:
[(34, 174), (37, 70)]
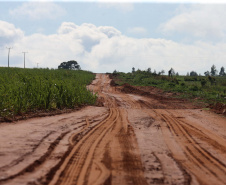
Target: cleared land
[(132, 137)]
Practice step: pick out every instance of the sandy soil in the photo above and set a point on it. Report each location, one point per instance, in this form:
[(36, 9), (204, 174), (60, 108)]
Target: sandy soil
[(134, 136)]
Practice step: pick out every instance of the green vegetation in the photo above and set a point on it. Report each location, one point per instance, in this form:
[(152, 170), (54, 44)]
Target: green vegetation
[(208, 89), (72, 65), (23, 90)]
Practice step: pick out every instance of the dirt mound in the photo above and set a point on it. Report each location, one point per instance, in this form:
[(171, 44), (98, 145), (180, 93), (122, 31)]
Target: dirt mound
[(110, 76), (127, 88), (100, 102), (112, 83), (146, 91), (219, 108)]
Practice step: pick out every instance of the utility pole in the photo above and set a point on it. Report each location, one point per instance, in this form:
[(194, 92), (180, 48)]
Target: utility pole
[(24, 58), (37, 65), (8, 54)]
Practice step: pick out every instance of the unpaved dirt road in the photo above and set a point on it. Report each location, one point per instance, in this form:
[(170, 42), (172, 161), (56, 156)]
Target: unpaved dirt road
[(130, 139)]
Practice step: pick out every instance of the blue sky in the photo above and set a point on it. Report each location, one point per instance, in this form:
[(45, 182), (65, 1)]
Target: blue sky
[(122, 17), (103, 36)]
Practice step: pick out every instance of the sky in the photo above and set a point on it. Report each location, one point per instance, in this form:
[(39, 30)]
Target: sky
[(103, 36)]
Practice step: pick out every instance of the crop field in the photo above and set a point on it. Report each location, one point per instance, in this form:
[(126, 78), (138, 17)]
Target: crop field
[(207, 89), (23, 90)]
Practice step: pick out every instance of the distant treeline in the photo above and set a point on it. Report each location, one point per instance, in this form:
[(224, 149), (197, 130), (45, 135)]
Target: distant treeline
[(213, 72)]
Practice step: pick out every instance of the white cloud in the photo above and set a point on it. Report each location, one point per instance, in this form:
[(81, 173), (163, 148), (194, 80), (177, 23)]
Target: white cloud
[(109, 31), (67, 27), (8, 33), (137, 31), (38, 10), (102, 49), (202, 21), (122, 53), (88, 34)]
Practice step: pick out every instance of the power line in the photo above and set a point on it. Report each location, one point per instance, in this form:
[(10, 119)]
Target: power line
[(24, 57), (9, 53)]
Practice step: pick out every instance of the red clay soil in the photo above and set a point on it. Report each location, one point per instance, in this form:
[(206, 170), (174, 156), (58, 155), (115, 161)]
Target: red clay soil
[(135, 136), (37, 113), (219, 108)]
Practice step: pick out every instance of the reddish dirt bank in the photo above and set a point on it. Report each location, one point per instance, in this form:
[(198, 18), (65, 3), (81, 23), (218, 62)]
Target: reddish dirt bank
[(134, 136)]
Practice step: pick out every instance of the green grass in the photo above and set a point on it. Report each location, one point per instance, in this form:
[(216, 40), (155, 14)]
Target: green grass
[(23, 90), (189, 87)]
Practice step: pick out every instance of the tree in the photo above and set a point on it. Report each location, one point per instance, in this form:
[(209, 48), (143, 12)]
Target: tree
[(171, 72), (133, 70), (193, 73), (72, 65), (114, 72), (149, 70), (207, 73), (212, 80), (222, 73), (139, 71), (213, 71)]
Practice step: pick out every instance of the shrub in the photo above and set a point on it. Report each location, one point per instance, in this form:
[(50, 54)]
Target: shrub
[(172, 84), (203, 82), (194, 88)]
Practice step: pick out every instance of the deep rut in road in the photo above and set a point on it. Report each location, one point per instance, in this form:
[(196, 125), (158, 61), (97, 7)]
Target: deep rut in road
[(82, 165), (132, 137), (200, 160)]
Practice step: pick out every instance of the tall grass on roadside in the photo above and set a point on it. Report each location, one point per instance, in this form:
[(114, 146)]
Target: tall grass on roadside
[(23, 90)]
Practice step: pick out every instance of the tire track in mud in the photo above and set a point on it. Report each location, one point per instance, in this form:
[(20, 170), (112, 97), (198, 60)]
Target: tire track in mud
[(21, 159), (131, 161), (83, 161), (129, 101), (73, 136), (182, 176), (74, 168), (35, 165), (200, 162), (31, 167), (119, 152), (203, 134)]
